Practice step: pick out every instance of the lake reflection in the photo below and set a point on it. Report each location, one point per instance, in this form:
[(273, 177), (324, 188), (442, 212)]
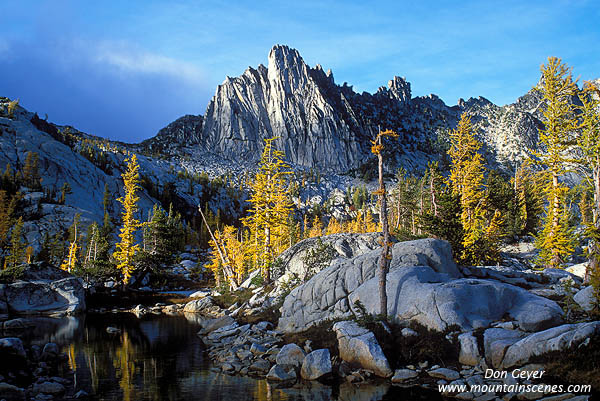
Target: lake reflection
[(161, 358)]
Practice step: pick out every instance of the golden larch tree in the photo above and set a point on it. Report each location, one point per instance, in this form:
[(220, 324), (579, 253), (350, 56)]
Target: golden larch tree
[(69, 263), (270, 208), (589, 143), (126, 249), (466, 181), (556, 140)]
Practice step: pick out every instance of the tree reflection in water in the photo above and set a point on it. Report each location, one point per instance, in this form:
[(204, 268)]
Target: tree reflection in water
[(159, 358)]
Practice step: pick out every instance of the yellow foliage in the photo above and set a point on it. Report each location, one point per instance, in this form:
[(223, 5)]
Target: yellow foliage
[(334, 227), (28, 254), (369, 224), (316, 230), (270, 209), (236, 250), (127, 248), (69, 263), (466, 180), (560, 124)]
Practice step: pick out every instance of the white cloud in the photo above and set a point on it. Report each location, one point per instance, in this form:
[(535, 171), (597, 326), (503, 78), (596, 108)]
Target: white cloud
[(128, 59)]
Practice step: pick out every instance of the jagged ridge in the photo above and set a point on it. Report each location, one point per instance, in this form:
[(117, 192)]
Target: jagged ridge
[(328, 126)]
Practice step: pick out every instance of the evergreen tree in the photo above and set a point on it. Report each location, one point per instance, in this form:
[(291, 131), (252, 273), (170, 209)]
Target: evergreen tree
[(270, 208), (445, 222), (8, 181), (6, 221), (163, 235), (56, 249), (156, 233), (127, 248), (64, 191), (106, 199), (31, 173), (17, 245), (556, 138)]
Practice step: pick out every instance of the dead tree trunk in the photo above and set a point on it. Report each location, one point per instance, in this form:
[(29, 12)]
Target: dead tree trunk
[(222, 254)]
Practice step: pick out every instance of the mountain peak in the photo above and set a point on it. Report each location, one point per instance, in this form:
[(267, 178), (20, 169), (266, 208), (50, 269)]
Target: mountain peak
[(320, 123), (282, 55), (286, 69)]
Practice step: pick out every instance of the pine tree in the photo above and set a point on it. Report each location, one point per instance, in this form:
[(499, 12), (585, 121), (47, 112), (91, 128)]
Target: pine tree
[(17, 245), (156, 233), (127, 248), (270, 208), (31, 173), (64, 191), (560, 123), (106, 197), (163, 234), (446, 223), (57, 249), (5, 218)]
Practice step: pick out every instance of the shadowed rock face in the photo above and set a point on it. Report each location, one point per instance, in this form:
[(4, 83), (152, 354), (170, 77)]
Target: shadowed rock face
[(44, 290)]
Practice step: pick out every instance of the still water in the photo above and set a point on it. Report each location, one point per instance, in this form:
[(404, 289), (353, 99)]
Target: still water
[(161, 358)]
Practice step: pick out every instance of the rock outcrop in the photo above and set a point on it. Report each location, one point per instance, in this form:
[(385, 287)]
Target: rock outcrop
[(422, 285), (509, 348), (43, 290), (296, 265), (316, 365), (358, 346), (290, 354), (429, 298), (585, 298), (560, 338)]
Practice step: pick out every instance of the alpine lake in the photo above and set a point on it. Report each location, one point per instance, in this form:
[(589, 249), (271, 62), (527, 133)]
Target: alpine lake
[(160, 357)]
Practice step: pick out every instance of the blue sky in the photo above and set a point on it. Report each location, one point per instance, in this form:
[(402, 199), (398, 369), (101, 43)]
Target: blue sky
[(124, 70)]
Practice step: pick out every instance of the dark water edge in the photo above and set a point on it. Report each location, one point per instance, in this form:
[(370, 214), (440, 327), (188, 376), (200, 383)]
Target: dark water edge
[(160, 357)]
